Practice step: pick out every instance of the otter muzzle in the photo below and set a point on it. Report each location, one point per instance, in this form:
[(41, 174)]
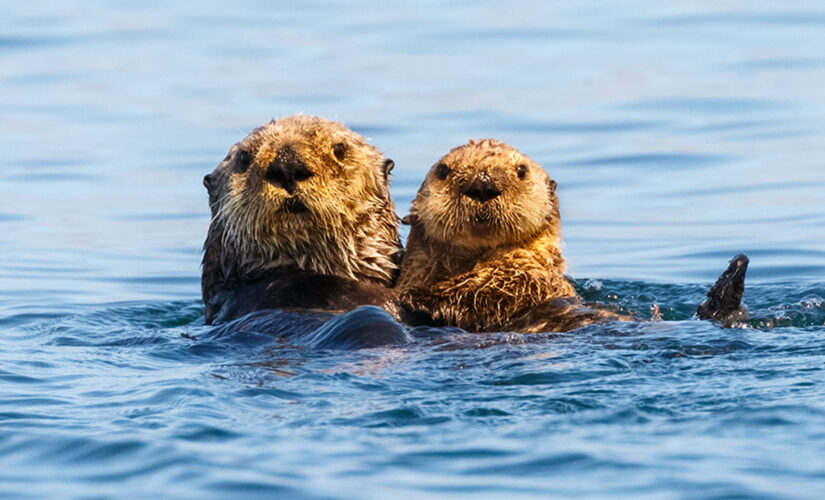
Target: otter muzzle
[(287, 170), (482, 189)]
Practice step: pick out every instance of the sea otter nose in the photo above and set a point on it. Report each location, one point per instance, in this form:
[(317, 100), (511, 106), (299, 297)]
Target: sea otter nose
[(482, 189), (287, 169)]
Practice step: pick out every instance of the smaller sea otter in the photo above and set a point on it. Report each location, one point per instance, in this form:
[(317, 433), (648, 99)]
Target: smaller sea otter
[(301, 218), (484, 250)]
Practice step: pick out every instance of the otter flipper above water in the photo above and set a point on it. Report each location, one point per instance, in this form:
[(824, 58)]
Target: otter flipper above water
[(724, 302)]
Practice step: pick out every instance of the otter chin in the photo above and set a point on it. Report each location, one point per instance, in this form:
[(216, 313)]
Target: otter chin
[(484, 251), (301, 217), (294, 205)]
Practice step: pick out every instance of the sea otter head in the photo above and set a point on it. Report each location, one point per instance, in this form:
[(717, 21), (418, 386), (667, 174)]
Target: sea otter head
[(302, 192), (485, 194)]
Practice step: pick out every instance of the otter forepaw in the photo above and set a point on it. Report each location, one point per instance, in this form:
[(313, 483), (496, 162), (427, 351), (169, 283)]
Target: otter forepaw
[(417, 307)]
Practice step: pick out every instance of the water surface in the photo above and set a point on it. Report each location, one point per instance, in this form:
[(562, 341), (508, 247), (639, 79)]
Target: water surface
[(679, 134)]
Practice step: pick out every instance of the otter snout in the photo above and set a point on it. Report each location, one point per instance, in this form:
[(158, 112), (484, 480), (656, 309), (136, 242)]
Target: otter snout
[(482, 189), (287, 170)]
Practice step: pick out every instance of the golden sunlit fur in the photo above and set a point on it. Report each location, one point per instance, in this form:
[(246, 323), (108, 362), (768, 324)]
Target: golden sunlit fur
[(480, 265), (336, 220), (349, 228)]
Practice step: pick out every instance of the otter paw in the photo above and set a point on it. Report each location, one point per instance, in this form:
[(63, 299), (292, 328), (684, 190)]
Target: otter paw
[(419, 308)]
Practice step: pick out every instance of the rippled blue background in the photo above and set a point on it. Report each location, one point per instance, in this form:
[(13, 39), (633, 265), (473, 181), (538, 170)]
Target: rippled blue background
[(680, 134)]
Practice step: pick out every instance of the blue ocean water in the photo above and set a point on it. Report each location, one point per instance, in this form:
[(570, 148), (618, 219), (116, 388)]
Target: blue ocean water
[(680, 133)]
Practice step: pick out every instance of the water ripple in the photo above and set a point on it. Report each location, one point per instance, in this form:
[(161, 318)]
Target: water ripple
[(680, 134), (659, 160)]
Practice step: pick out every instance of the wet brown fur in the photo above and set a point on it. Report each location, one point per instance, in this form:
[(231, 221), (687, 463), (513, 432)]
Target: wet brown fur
[(343, 250), (493, 265)]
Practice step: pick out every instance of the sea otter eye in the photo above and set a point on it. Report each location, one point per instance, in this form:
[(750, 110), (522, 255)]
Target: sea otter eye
[(243, 161), (442, 171), (338, 150), (521, 170)]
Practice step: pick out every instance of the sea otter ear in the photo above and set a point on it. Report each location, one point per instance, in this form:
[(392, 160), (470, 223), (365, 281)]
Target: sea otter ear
[(388, 166), (551, 185), (210, 179), (409, 220), (384, 187)]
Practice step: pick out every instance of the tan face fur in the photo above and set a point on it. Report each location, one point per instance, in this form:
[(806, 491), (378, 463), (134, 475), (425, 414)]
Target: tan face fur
[(486, 194), (307, 192)]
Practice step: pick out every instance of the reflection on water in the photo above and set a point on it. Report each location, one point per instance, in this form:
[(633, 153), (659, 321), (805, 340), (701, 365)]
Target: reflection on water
[(680, 135)]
